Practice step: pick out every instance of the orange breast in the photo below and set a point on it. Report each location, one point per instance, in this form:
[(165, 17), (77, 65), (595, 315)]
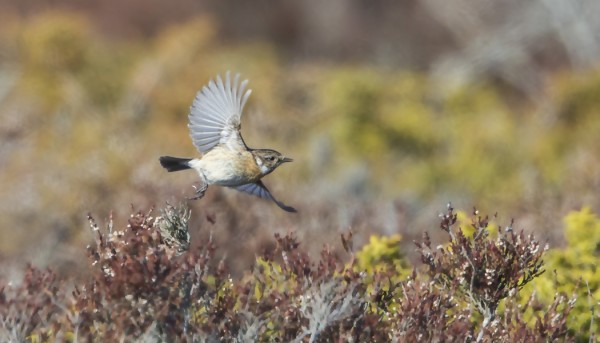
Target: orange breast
[(247, 164)]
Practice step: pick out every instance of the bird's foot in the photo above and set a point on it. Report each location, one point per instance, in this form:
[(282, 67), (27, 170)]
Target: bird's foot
[(199, 191)]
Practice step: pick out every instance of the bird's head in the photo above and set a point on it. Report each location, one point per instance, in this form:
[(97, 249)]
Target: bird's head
[(267, 160)]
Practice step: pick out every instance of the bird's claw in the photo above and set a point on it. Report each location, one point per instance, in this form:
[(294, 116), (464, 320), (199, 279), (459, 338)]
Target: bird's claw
[(199, 192)]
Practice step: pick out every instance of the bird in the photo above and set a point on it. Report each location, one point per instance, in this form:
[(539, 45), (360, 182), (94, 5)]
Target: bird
[(214, 124)]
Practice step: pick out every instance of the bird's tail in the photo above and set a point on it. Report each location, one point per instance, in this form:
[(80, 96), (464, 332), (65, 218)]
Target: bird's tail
[(172, 164)]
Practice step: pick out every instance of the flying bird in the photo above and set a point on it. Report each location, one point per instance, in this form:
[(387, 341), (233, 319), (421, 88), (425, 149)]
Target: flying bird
[(214, 123)]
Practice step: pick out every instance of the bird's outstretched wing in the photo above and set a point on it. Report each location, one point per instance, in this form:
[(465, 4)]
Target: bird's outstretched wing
[(216, 112), (258, 188)]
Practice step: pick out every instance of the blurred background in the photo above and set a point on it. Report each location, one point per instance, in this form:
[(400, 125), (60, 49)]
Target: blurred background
[(390, 110)]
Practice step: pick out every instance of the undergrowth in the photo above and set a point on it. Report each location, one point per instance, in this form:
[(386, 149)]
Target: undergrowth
[(147, 284)]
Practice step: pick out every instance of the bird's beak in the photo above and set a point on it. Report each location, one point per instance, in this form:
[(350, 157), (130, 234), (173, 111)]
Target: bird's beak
[(286, 159)]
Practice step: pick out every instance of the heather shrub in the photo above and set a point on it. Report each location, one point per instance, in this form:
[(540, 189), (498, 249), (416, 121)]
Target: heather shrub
[(33, 308), (576, 264), (146, 282), (484, 271)]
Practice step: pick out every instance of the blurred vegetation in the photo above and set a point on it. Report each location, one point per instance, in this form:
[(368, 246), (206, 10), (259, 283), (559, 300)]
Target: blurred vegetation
[(84, 116), (380, 254)]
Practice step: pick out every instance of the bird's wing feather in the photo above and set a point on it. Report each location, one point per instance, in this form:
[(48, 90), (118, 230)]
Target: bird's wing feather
[(260, 190), (215, 115)]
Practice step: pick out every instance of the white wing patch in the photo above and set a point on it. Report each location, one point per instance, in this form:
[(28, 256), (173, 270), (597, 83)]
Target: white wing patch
[(216, 113), (260, 190)]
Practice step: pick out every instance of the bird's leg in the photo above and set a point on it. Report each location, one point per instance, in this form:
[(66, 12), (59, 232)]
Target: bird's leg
[(199, 191)]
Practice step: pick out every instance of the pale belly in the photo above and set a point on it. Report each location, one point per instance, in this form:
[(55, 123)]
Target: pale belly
[(224, 167)]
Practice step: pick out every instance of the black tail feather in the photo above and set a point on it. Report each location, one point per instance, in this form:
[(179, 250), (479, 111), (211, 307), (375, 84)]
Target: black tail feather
[(172, 164)]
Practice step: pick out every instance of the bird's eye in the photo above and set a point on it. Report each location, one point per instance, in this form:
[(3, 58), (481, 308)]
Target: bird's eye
[(271, 158)]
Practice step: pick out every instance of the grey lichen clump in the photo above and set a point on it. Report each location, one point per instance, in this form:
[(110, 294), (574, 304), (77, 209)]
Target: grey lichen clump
[(173, 226)]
